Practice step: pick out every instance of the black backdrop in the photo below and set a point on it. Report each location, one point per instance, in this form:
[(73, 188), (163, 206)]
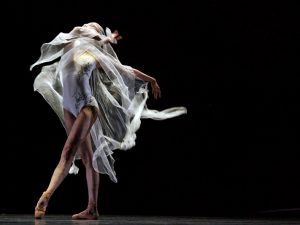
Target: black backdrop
[(234, 65)]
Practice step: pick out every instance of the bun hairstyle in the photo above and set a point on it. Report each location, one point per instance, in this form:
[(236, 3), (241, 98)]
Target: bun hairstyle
[(97, 27)]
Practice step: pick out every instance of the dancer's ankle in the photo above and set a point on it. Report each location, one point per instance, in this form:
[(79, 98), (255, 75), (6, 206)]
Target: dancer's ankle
[(92, 210), (92, 207), (48, 193)]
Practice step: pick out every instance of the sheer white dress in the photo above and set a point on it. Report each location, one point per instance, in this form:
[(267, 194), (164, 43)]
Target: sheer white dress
[(82, 71)]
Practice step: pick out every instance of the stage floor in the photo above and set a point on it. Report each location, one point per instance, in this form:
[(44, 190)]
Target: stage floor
[(11, 219)]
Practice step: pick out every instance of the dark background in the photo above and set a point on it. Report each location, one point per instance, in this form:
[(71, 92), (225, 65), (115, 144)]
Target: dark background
[(234, 65)]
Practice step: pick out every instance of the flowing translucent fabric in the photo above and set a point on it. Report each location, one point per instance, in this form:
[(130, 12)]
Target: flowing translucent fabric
[(117, 93)]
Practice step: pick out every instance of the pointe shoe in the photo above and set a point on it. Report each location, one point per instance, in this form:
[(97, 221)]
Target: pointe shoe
[(86, 215), (40, 209)]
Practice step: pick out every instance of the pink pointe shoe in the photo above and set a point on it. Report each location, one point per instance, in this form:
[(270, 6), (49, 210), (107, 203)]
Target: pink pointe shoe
[(40, 209), (86, 215)]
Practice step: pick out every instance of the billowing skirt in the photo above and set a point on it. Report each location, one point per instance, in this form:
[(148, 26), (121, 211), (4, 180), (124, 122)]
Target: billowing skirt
[(89, 75)]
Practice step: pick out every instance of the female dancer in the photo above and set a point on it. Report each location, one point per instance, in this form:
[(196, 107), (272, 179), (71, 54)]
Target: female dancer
[(99, 101)]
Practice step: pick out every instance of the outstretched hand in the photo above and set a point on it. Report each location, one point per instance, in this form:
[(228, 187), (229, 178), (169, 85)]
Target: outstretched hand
[(155, 89), (114, 37)]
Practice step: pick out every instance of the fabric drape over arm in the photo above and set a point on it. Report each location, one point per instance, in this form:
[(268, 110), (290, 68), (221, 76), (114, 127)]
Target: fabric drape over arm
[(120, 96)]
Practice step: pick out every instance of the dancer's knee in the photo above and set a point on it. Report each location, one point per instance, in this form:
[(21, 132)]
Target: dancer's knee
[(68, 153), (86, 158)]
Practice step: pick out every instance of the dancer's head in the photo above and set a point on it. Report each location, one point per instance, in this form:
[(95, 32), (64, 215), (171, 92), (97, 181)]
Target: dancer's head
[(94, 26)]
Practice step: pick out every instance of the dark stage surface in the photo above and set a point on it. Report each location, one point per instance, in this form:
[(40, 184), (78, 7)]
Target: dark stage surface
[(139, 220), (233, 64)]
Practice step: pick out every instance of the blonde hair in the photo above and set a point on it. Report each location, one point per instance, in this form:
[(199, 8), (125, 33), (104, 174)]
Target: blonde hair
[(97, 27)]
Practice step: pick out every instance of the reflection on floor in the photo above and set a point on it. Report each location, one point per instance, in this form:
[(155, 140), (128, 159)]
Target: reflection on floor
[(12, 219)]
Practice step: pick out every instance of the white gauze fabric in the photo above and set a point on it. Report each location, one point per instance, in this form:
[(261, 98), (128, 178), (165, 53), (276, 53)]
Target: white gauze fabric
[(117, 93)]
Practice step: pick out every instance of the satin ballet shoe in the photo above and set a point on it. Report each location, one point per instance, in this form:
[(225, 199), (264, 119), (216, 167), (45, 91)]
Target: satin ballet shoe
[(86, 215), (40, 209)]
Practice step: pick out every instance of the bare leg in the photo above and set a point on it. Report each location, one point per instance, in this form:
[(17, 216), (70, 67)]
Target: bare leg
[(78, 133), (92, 178)]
